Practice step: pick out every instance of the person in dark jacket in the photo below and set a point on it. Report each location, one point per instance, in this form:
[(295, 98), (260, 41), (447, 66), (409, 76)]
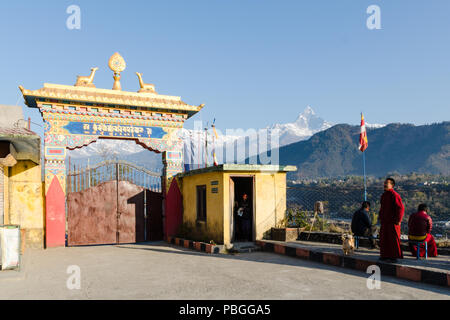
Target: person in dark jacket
[(361, 224), (419, 229), (243, 214)]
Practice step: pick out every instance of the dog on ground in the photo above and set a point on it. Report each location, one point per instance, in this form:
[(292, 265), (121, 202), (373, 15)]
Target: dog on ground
[(348, 244)]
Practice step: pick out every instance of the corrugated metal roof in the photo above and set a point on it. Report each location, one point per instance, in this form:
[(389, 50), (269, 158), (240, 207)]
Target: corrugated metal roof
[(26, 142), (13, 132)]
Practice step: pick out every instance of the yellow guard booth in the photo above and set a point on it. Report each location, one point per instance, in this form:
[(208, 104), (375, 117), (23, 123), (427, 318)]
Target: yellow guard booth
[(210, 196)]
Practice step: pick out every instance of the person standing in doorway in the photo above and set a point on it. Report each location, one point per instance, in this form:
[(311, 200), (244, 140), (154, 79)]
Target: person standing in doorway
[(244, 218), (391, 215)]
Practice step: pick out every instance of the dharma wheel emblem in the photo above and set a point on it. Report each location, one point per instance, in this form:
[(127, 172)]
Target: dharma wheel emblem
[(117, 65)]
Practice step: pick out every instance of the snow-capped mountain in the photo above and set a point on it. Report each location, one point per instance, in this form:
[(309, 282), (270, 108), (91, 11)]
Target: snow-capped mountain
[(108, 148), (306, 124)]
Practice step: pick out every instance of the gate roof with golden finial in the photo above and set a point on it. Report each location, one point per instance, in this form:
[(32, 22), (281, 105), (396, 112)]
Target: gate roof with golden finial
[(85, 93)]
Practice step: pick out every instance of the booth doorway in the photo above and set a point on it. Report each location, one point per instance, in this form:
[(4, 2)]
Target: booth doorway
[(242, 211)]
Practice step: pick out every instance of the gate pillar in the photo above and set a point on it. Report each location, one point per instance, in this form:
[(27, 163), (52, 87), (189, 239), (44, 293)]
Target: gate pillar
[(55, 196), (172, 158), (173, 164)]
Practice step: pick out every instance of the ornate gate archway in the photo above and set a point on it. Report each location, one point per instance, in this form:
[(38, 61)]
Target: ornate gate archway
[(75, 116)]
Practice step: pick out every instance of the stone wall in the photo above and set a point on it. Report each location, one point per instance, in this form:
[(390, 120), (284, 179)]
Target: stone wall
[(329, 237), (326, 237)]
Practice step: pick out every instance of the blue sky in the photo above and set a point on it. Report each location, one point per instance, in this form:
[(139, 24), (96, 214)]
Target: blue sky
[(252, 62)]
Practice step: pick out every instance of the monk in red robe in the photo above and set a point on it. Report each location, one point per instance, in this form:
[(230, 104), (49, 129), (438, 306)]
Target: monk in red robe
[(419, 229), (391, 215)]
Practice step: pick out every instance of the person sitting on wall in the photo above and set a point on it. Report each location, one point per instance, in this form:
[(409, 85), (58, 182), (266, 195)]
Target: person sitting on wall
[(361, 224), (243, 218), (419, 229)]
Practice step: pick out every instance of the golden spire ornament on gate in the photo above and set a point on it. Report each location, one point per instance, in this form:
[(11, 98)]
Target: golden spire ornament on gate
[(117, 64)]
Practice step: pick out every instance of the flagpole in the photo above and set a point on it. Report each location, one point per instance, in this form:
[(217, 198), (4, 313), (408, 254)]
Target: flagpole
[(364, 168)]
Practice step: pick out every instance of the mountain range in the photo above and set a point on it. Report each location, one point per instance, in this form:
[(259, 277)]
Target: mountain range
[(401, 148)]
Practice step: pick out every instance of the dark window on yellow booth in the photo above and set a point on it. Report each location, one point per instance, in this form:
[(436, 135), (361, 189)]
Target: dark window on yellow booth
[(201, 203)]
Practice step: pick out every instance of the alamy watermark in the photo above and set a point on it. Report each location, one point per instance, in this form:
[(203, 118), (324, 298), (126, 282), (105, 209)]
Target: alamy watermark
[(374, 20), (74, 280), (74, 19), (251, 146), (374, 280)]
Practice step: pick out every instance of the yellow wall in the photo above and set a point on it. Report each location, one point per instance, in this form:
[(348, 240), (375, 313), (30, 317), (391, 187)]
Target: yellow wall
[(269, 202), (214, 204), (26, 201)]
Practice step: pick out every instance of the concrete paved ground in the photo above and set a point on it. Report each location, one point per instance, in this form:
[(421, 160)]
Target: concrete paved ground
[(162, 271)]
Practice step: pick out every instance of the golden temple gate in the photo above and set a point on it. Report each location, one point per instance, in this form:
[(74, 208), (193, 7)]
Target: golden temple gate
[(75, 116)]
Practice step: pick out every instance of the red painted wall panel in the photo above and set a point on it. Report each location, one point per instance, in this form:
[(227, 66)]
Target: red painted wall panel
[(173, 208), (55, 220)]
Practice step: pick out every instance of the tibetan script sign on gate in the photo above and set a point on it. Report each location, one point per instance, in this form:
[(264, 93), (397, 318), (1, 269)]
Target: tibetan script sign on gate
[(115, 130)]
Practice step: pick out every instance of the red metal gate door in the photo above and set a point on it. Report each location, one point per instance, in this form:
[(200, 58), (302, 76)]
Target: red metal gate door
[(92, 215), (119, 210), (131, 222)]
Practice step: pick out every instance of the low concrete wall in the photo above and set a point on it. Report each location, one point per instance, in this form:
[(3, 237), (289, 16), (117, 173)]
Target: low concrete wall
[(388, 269), (285, 234), (196, 245), (328, 237)]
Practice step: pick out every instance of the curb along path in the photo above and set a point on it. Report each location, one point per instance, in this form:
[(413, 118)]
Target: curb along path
[(387, 269)]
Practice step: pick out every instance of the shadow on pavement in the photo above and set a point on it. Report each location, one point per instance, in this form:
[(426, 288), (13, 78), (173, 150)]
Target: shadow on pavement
[(277, 259)]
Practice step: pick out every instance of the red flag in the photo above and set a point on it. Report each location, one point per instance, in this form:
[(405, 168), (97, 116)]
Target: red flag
[(363, 143)]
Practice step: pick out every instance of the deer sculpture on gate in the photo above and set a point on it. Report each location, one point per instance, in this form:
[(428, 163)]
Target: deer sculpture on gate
[(145, 87), (86, 81)]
